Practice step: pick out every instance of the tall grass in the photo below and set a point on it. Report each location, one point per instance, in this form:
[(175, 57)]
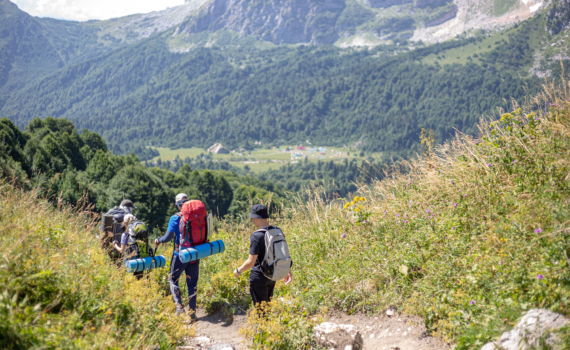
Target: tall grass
[(468, 238), (59, 290)]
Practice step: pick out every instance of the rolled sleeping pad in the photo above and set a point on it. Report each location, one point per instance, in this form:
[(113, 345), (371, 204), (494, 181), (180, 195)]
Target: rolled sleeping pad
[(201, 251), (138, 265)]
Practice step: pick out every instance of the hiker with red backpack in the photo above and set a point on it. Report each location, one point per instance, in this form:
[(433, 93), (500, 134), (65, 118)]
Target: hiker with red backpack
[(269, 258), (189, 228)]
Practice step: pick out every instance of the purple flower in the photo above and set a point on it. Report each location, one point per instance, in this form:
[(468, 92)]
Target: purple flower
[(540, 277), (456, 204), (407, 184), (405, 221), (472, 302), (366, 221), (538, 230), (429, 211), (500, 262), (489, 164), (465, 195), (398, 215), (344, 235), (515, 161)]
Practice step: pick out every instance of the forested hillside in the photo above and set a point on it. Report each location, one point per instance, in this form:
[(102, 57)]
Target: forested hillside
[(144, 94), (65, 166)]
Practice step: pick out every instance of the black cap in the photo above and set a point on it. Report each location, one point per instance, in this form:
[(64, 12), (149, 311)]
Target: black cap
[(128, 203), (259, 211)]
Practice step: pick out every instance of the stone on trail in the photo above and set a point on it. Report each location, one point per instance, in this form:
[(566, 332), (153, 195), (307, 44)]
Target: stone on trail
[(338, 336), (222, 347), (530, 330)]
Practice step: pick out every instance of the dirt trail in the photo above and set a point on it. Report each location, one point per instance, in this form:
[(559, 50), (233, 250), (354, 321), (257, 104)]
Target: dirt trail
[(380, 332)]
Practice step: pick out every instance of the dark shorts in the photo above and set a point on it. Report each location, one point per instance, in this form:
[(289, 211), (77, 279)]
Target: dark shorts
[(260, 293)]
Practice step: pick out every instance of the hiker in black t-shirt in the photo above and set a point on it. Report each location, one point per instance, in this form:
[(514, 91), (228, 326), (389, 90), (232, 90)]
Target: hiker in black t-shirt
[(260, 287)]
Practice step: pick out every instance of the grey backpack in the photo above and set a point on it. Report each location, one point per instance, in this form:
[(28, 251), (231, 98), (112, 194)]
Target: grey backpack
[(277, 262)]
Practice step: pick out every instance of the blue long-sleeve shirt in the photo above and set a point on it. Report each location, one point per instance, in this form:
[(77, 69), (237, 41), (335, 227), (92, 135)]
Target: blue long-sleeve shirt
[(173, 231)]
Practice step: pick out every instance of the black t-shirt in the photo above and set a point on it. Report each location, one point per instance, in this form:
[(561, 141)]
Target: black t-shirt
[(257, 247)]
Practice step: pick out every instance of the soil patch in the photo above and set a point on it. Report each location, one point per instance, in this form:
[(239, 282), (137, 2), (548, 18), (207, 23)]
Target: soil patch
[(381, 332)]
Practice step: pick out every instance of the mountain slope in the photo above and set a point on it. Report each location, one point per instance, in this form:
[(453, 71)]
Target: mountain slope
[(145, 94)]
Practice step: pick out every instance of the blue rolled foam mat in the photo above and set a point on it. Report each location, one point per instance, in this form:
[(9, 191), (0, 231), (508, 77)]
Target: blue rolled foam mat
[(201, 251), (137, 265)]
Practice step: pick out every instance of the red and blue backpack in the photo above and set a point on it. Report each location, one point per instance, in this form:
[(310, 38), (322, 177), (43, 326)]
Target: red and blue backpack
[(194, 228)]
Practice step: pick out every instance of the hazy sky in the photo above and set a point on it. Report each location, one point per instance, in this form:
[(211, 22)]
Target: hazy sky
[(82, 10)]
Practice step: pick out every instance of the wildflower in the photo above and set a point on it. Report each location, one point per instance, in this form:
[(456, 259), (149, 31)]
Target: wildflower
[(540, 277), (465, 195), (472, 302), (515, 161), (500, 262), (456, 204), (405, 221), (398, 214), (344, 235), (429, 211), (489, 164), (538, 230)]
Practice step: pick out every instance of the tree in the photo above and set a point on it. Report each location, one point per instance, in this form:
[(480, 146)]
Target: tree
[(217, 192), (148, 193)]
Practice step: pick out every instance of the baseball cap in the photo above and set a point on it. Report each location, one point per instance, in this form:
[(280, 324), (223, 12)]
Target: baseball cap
[(128, 203), (181, 197), (259, 211)]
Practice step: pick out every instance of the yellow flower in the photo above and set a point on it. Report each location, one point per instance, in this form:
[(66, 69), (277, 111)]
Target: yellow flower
[(357, 209), (355, 199), (346, 205)]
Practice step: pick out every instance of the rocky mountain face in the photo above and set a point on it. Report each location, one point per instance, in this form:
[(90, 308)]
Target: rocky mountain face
[(339, 22), (558, 17), (277, 21)]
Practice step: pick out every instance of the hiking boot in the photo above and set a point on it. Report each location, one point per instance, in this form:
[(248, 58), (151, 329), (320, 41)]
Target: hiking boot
[(193, 317)]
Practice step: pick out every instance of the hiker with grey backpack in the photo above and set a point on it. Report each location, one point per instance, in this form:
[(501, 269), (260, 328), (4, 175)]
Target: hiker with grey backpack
[(269, 258)]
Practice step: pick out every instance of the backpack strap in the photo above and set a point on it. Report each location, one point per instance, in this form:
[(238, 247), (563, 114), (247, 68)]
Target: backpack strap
[(179, 214)]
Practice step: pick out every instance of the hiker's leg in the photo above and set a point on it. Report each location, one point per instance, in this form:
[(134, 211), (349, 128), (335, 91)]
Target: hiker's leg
[(192, 274), (176, 269), (270, 289), (258, 294)]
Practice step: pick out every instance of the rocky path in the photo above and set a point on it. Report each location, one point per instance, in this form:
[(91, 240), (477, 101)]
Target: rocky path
[(383, 332)]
